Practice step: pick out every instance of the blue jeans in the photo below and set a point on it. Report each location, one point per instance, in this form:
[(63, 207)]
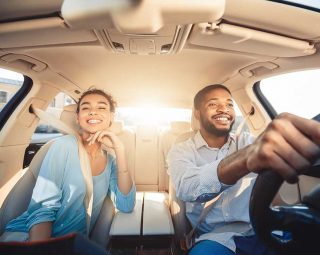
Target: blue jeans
[(245, 246)]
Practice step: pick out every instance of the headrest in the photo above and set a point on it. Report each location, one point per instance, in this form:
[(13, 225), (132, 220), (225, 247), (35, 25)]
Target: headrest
[(178, 127), (117, 127), (195, 124), (69, 116)]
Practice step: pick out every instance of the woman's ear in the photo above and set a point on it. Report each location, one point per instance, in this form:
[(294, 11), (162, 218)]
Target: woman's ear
[(111, 118)]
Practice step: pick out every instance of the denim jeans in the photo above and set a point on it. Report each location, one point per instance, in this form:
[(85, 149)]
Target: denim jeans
[(245, 246)]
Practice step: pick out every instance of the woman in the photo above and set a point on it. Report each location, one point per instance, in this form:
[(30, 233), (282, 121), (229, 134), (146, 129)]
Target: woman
[(57, 204)]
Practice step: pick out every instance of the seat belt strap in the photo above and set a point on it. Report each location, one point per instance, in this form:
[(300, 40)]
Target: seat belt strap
[(83, 157)]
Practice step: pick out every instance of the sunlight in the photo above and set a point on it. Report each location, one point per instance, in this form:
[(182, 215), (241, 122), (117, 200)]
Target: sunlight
[(152, 115), (10, 75)]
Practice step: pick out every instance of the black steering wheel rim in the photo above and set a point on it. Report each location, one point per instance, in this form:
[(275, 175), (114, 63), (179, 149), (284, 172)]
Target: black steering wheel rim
[(301, 221)]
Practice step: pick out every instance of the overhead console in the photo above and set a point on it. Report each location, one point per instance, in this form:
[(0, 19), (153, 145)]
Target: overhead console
[(145, 27)]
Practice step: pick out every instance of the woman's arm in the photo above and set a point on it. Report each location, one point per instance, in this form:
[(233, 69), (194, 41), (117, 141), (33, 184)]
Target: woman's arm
[(124, 177), (110, 140)]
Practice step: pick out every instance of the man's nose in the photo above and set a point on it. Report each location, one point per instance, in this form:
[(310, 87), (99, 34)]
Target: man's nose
[(223, 108)]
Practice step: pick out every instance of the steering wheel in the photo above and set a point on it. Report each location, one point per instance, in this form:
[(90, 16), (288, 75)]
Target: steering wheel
[(299, 222)]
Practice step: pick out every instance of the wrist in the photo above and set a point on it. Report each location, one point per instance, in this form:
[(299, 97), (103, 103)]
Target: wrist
[(123, 172), (119, 148)]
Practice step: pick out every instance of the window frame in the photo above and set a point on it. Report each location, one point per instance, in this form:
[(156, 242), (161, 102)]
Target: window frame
[(307, 7), (264, 101), (14, 102)]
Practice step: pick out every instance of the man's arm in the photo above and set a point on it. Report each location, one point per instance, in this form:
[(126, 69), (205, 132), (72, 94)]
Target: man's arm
[(288, 146)]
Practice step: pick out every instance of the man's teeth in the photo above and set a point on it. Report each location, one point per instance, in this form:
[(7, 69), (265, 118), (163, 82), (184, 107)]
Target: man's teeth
[(94, 121), (222, 119)]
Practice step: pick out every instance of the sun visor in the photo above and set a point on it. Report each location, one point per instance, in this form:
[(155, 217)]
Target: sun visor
[(139, 16), (241, 39)]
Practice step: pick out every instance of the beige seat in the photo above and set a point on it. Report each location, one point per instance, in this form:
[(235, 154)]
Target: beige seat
[(146, 158), (128, 139), (181, 224), (166, 140), (19, 196)]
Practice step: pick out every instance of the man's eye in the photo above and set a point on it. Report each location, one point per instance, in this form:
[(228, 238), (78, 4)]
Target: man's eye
[(212, 105), (102, 108), (84, 108), (230, 105)]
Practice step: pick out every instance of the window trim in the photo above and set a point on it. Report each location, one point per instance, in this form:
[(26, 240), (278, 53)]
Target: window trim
[(13, 103), (264, 101), (306, 7)]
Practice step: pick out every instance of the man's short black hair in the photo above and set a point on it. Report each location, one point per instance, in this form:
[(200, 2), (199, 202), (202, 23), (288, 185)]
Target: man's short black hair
[(201, 94)]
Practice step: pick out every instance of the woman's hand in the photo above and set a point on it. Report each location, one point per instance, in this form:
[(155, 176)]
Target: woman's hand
[(108, 139)]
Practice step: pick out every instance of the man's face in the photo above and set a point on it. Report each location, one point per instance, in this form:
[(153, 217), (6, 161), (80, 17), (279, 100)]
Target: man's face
[(216, 113)]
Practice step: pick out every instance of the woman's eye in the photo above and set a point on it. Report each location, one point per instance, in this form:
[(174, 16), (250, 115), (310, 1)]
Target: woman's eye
[(102, 108)]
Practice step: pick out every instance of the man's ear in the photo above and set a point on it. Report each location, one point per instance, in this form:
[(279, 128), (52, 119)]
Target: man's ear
[(197, 114)]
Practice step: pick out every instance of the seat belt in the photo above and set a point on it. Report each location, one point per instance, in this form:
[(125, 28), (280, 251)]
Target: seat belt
[(83, 156), (189, 239)]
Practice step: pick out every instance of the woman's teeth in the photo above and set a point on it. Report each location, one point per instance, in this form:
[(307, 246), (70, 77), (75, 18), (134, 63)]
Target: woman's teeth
[(94, 121)]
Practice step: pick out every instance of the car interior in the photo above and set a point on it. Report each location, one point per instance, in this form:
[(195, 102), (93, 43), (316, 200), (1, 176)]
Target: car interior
[(146, 54)]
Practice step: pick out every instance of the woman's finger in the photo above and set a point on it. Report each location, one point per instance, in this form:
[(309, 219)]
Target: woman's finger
[(93, 139)]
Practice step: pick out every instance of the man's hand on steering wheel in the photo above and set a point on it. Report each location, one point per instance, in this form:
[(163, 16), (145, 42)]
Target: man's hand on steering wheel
[(288, 146)]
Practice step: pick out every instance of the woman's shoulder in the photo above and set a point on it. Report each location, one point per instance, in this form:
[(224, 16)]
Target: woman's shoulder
[(65, 141), (111, 158)]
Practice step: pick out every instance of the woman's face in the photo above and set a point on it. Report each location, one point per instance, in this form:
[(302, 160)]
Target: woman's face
[(94, 113)]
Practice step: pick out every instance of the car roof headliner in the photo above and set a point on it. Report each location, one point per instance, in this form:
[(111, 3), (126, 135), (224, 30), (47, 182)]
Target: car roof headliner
[(76, 58)]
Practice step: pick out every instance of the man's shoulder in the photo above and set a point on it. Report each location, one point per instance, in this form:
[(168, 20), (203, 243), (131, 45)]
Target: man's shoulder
[(187, 144)]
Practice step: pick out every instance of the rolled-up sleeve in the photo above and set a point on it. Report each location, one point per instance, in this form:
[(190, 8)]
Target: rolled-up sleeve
[(124, 203), (46, 196), (192, 180)]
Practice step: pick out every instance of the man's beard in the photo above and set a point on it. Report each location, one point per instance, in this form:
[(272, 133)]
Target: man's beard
[(210, 128)]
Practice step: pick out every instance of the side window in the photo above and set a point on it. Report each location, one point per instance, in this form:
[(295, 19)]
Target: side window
[(297, 93), (10, 83), (45, 132), (3, 97)]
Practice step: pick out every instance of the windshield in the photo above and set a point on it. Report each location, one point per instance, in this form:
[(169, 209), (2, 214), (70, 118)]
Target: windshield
[(306, 4), (296, 92)]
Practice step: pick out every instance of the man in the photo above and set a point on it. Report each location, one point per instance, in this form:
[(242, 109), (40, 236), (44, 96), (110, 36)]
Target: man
[(207, 165)]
